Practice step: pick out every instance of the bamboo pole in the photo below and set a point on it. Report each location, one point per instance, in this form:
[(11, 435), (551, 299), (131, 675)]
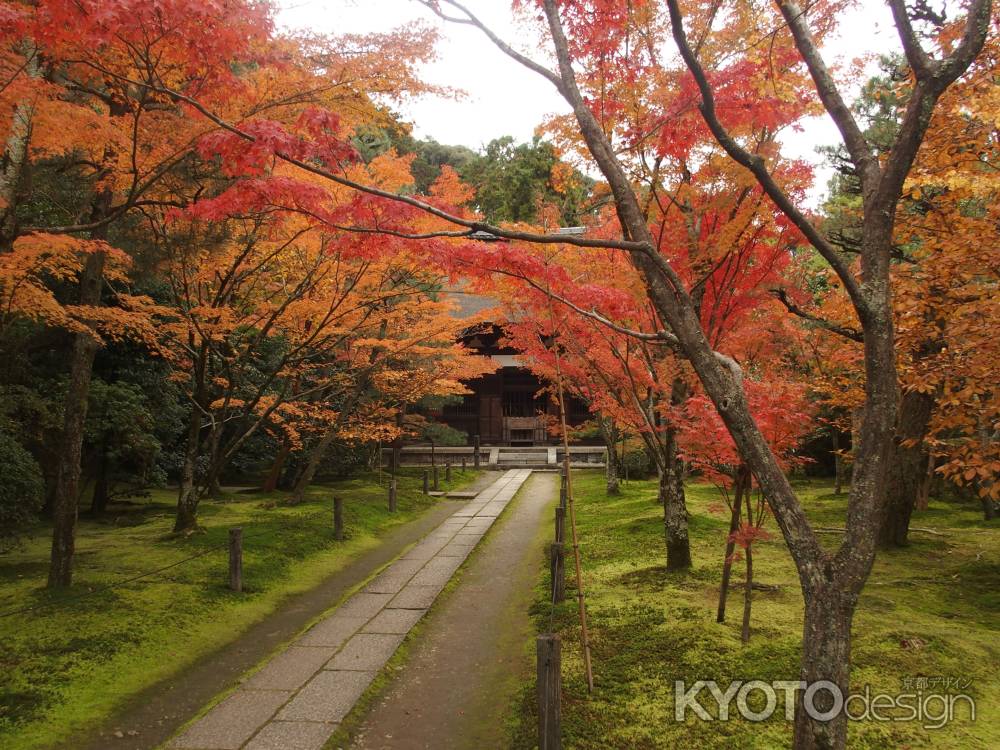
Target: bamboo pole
[(571, 506)]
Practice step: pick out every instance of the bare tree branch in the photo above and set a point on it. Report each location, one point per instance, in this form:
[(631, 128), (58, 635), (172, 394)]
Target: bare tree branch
[(857, 145), (470, 19), (849, 333)]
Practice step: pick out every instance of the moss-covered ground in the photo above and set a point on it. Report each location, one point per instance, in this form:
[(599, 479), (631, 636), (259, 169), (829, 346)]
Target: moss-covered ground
[(929, 613), (75, 655)]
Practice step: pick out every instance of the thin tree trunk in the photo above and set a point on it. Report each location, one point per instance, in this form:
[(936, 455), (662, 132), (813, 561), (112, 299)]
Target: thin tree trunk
[(99, 500), (739, 487), (924, 496), (748, 591), (838, 464), (15, 155)]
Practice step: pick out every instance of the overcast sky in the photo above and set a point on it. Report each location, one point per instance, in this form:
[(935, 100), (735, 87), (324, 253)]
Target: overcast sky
[(505, 99)]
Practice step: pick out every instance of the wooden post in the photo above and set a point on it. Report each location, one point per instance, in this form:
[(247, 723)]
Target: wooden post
[(236, 559), (475, 452), (435, 470), (562, 493), (463, 464), (338, 518), (392, 495), (427, 486), (560, 524), (557, 566), (549, 690), (447, 472)]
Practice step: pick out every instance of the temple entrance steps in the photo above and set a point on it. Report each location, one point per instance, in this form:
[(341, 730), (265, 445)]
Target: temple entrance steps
[(534, 457)]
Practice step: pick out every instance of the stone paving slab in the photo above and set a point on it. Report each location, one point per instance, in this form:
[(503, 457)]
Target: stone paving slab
[(292, 735), (394, 621), (230, 724), (328, 697), (388, 582), (457, 549), (290, 669), (296, 700), (333, 631), (364, 605), (366, 652), (438, 576), (416, 597)]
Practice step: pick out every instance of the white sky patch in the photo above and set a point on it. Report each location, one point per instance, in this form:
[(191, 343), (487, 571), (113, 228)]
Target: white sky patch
[(503, 98)]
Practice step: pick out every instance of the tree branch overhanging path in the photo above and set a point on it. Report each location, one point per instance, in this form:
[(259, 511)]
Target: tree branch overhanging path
[(831, 583)]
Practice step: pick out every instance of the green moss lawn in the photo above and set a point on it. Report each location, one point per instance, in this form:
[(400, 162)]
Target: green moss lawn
[(69, 662), (929, 611)]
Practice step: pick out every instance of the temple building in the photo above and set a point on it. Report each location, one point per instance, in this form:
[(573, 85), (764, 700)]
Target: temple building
[(509, 407)]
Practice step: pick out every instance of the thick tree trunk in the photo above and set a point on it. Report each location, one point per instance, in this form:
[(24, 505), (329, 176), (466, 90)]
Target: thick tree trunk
[(826, 657), (66, 498), (609, 435), (907, 469), (309, 471), (274, 475), (675, 522), (186, 517), (612, 485)]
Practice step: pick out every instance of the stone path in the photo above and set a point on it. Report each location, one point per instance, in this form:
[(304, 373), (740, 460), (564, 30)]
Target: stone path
[(296, 700), (463, 676)]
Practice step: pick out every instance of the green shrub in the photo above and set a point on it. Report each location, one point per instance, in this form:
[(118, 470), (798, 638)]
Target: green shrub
[(21, 490), (637, 464)]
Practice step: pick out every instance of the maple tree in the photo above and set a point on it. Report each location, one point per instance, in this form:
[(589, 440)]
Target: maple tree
[(700, 203), (831, 582), (943, 297), (85, 92)]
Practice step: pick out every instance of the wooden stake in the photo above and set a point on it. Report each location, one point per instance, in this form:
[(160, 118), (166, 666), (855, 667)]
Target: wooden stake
[(435, 470), (475, 452), (447, 472), (560, 524), (549, 691), (557, 567), (392, 495)]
